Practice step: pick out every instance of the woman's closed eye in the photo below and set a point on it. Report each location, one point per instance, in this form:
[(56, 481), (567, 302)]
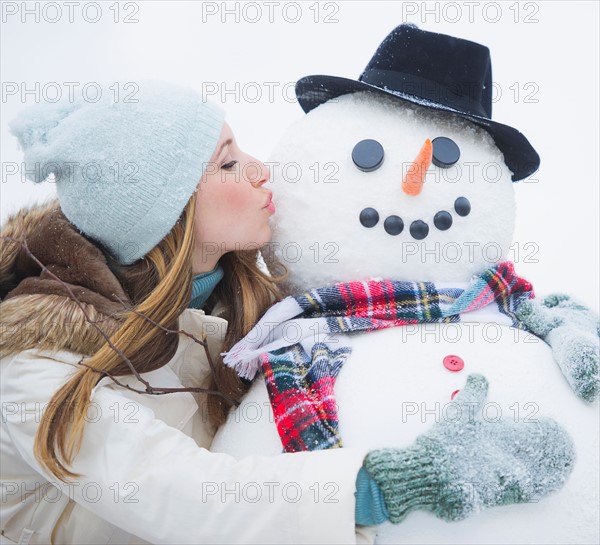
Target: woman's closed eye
[(229, 165)]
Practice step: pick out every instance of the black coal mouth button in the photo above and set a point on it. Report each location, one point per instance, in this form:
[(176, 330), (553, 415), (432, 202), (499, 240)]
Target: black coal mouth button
[(369, 217), (419, 229), (462, 206), (442, 220), (393, 225)]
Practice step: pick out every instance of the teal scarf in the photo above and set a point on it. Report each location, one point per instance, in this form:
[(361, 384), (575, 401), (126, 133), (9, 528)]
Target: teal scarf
[(203, 285)]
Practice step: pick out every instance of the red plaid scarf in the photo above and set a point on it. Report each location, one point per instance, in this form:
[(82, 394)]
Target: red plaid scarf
[(299, 366)]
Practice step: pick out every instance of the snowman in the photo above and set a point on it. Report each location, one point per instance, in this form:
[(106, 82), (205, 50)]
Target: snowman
[(396, 210)]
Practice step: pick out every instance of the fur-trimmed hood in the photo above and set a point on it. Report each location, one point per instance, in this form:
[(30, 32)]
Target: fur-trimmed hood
[(36, 310)]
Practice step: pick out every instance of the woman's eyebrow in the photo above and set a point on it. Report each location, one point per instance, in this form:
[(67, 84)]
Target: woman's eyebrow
[(226, 143)]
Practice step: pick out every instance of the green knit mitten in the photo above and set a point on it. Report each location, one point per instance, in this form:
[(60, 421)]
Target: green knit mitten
[(466, 463), (572, 331)]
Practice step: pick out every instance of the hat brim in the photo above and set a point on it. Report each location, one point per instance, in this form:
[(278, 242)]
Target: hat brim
[(519, 155)]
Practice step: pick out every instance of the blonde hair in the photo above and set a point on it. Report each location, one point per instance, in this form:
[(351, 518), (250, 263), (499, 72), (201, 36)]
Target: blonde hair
[(159, 285)]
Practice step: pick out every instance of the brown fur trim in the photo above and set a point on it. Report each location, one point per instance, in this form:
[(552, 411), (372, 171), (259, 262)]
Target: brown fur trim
[(36, 309), (51, 322), (19, 226)]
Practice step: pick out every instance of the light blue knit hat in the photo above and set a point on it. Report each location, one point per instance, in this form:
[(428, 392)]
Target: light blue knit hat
[(124, 169)]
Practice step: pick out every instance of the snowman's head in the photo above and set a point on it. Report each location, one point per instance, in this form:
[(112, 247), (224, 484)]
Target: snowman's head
[(394, 207)]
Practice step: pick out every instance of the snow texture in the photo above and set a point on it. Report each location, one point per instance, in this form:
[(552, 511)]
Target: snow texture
[(394, 386)]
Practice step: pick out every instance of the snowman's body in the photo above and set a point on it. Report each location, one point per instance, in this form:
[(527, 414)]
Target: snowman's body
[(395, 386)]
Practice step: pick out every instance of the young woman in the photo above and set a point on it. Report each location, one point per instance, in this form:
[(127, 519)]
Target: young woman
[(107, 294)]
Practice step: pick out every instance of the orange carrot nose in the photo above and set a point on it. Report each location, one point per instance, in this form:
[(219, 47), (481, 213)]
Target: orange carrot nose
[(415, 175)]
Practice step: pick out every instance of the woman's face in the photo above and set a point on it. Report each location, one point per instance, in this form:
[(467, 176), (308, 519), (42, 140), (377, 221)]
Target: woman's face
[(232, 209)]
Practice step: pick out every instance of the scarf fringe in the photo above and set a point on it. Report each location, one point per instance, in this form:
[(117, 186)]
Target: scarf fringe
[(244, 356)]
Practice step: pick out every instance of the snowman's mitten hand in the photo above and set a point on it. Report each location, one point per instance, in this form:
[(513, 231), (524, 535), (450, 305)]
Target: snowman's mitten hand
[(572, 331), (555, 299), (557, 309), (466, 463), (577, 355), (538, 318), (574, 314)]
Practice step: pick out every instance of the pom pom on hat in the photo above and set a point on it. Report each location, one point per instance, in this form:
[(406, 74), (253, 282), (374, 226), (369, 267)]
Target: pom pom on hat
[(32, 124), (124, 169)]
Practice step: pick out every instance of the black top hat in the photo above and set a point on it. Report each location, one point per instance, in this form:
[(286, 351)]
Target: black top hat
[(436, 71)]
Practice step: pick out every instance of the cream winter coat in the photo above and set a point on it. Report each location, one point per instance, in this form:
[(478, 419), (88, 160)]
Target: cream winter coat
[(148, 474)]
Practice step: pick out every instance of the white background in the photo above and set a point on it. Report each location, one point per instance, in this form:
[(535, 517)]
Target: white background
[(548, 51)]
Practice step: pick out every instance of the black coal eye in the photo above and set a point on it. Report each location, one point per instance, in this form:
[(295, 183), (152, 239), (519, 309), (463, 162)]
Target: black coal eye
[(445, 152), (368, 155), (462, 206), (369, 217)]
